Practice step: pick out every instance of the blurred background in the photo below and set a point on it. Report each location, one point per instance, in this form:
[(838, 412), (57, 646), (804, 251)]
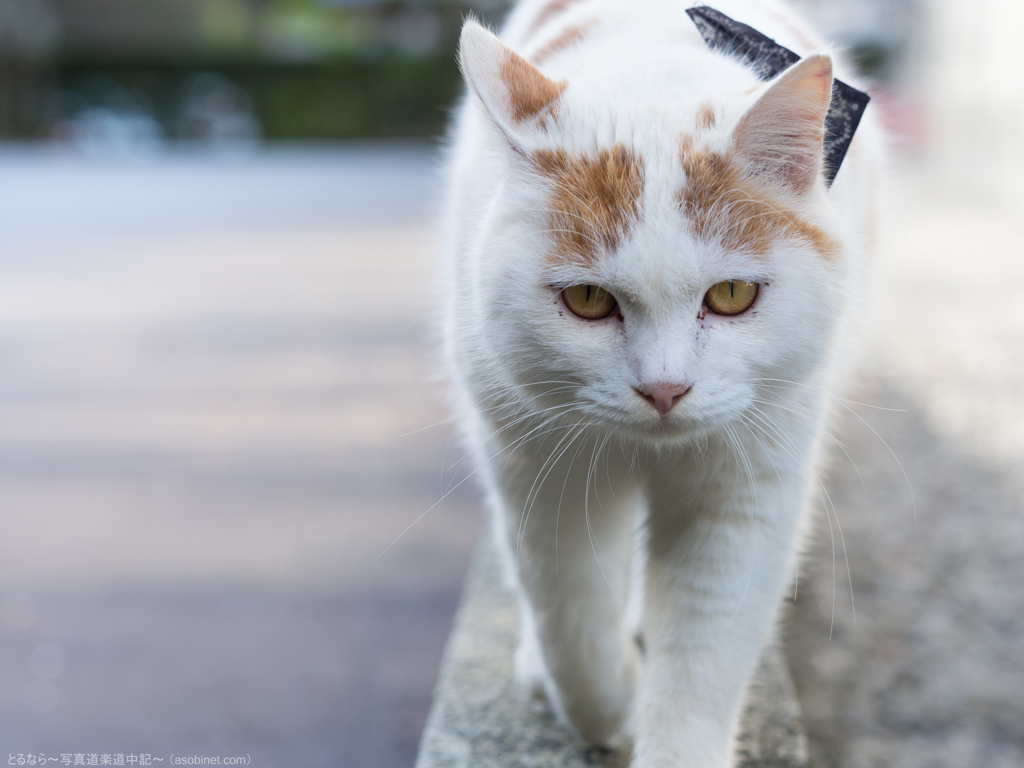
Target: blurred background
[(222, 425), (102, 72)]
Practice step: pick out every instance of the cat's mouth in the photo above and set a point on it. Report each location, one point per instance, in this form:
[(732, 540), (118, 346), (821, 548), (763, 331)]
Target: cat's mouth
[(667, 412), (684, 422), (670, 425), (675, 426), (684, 414)]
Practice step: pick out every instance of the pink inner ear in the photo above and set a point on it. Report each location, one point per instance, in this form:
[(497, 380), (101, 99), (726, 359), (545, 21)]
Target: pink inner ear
[(781, 136)]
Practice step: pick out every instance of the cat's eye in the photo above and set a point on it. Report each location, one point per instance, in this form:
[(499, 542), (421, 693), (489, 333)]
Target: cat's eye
[(731, 297), (589, 301)]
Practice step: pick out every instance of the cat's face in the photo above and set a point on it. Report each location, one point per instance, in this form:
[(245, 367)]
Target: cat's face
[(654, 282)]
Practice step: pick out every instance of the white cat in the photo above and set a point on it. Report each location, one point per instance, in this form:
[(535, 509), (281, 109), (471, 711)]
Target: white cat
[(650, 287)]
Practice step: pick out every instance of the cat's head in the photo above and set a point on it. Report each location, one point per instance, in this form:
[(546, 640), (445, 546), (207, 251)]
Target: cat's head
[(660, 250)]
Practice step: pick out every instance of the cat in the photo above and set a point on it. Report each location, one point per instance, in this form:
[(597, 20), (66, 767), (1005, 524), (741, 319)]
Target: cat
[(650, 297)]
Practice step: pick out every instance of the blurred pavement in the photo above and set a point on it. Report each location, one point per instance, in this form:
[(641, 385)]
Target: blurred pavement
[(931, 672), (207, 365)]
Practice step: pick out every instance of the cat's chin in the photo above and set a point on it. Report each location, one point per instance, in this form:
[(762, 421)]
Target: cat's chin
[(667, 432)]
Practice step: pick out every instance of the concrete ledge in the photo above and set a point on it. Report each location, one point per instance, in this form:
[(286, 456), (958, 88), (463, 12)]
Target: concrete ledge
[(480, 720)]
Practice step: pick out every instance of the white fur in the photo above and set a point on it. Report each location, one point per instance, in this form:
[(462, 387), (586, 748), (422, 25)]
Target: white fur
[(571, 456)]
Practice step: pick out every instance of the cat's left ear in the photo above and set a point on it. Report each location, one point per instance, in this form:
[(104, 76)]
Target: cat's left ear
[(781, 136), (515, 93)]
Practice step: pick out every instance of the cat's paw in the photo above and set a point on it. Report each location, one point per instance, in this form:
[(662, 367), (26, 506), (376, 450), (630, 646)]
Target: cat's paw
[(600, 708), (529, 669)]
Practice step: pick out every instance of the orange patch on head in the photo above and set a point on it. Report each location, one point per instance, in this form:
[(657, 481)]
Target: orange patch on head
[(705, 117), (548, 12), (595, 201), (530, 93), (724, 203), (568, 37)]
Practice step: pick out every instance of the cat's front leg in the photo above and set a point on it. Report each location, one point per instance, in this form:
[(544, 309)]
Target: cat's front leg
[(569, 530), (717, 566)]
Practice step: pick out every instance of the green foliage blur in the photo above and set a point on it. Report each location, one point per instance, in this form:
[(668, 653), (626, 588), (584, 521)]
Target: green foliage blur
[(192, 69)]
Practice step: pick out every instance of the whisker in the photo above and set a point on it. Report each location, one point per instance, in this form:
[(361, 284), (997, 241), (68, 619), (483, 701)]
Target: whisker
[(515, 443), (814, 476), (586, 515), (551, 460), (561, 496)]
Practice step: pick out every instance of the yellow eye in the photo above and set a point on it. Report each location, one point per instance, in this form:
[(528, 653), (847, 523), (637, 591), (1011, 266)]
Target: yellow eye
[(589, 301), (731, 297)]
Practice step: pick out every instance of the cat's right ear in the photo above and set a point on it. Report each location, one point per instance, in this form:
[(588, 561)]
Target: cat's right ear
[(516, 95)]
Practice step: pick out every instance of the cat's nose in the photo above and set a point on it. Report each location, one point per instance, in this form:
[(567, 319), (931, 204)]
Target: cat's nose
[(663, 396)]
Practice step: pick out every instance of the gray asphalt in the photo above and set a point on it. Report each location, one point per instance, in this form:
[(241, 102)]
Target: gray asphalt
[(932, 671), (207, 367)]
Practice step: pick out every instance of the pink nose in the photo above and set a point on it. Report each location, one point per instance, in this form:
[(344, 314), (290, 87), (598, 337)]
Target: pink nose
[(663, 396)]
